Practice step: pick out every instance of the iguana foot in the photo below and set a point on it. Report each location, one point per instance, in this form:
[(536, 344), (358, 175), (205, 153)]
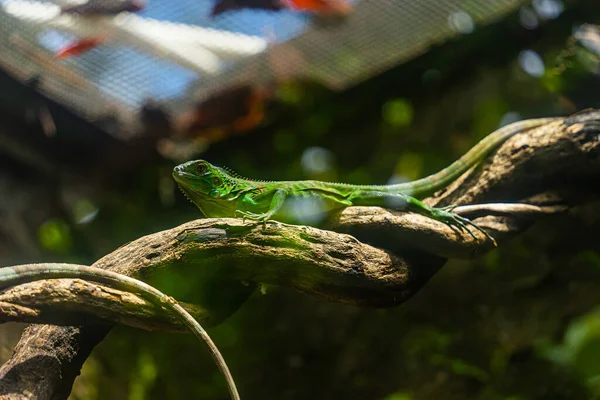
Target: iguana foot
[(451, 219), (252, 216)]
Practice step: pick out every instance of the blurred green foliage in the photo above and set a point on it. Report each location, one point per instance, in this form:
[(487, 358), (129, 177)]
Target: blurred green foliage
[(143, 377), (399, 396), (580, 348), (55, 235), (397, 112)]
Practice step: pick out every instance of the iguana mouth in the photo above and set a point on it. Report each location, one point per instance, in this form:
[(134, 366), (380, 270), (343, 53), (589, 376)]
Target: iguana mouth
[(181, 175)]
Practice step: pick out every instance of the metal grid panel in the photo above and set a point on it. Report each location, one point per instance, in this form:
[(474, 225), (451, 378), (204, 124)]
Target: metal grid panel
[(378, 35), (175, 53)]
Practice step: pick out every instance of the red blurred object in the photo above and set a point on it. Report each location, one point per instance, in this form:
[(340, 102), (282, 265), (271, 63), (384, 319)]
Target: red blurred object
[(95, 8), (79, 47), (319, 7), (104, 7)]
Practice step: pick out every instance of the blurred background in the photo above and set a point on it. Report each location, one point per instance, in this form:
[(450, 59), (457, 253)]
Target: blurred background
[(99, 103)]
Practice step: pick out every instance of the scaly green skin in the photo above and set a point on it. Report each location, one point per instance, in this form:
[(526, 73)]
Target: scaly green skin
[(219, 193), (19, 274)]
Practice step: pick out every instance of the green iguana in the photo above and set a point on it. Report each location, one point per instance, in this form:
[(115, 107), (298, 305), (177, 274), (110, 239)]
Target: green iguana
[(220, 193)]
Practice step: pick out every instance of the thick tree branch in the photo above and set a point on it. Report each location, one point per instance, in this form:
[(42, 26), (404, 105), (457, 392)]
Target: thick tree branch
[(548, 168)]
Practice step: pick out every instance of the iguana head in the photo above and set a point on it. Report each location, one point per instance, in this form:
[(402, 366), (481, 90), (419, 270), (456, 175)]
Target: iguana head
[(209, 187)]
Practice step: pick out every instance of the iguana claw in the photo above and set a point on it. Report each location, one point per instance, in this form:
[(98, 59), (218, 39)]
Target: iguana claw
[(452, 219)]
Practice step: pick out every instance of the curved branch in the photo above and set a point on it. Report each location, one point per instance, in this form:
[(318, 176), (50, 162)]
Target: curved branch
[(19, 274), (549, 168), (72, 302)]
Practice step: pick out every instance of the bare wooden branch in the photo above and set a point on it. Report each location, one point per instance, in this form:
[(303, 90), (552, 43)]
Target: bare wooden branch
[(549, 168)]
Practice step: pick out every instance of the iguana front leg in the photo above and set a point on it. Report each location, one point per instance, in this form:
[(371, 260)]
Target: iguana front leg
[(248, 202)]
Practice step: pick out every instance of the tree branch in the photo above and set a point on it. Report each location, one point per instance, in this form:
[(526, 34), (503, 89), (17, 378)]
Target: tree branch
[(548, 168)]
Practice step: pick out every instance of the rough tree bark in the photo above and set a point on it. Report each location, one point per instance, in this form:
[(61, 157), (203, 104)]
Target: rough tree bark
[(548, 168)]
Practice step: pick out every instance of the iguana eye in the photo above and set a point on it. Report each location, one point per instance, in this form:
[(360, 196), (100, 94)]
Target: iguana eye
[(201, 168), (216, 181)]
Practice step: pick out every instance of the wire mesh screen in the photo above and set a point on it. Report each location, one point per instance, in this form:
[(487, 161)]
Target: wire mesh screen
[(177, 52)]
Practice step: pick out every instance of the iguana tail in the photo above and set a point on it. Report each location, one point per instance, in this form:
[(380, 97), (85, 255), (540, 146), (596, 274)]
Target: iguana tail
[(432, 183)]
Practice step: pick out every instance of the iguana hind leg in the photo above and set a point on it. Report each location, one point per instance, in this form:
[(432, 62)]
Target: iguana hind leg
[(404, 202)]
